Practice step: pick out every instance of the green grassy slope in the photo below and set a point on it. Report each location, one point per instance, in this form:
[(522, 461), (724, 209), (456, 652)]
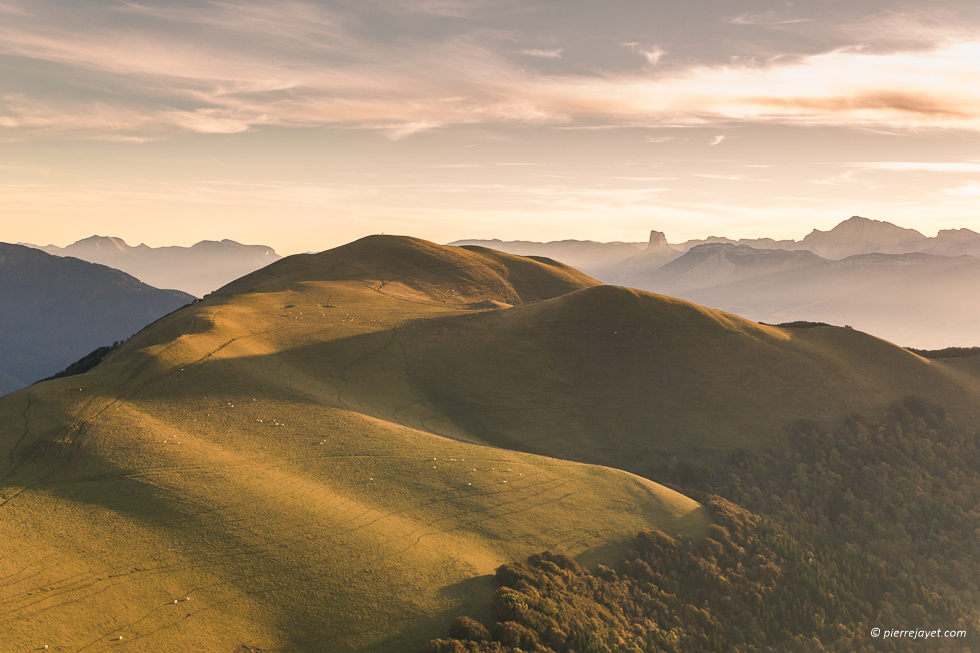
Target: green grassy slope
[(305, 453), (631, 379), (220, 479)]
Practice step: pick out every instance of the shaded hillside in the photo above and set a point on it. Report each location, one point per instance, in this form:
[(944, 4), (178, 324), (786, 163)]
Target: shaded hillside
[(198, 269), (917, 300), (56, 310), (631, 379), (220, 491)]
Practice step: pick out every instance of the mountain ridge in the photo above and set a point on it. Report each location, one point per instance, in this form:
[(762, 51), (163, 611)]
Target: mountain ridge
[(198, 269), (58, 309), (914, 299), (856, 235)]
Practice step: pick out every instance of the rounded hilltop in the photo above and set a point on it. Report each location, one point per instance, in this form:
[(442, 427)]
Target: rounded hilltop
[(416, 268)]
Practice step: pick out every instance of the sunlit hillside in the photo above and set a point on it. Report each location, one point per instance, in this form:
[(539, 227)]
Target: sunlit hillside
[(200, 490), (336, 452)]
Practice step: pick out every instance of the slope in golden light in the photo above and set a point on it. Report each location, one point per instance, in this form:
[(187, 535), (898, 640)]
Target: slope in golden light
[(207, 487)]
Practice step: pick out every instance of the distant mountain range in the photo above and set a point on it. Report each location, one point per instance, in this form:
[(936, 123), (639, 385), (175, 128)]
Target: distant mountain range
[(856, 235), (588, 256), (916, 299), (57, 309), (198, 270), (873, 275)]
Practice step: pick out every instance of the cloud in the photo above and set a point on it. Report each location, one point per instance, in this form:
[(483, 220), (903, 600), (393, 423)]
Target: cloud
[(228, 67), (847, 178), (652, 55), (716, 140), (725, 177), (764, 18), (972, 190), (544, 54), (929, 166)]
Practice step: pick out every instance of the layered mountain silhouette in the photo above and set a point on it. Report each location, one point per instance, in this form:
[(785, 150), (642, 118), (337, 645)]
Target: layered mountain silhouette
[(853, 236), (862, 236), (873, 275), (336, 451), (954, 242), (919, 300), (585, 255), (56, 310), (657, 254), (856, 235), (198, 269)]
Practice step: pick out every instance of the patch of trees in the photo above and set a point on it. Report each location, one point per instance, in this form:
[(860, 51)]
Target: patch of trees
[(799, 324), (949, 352), (86, 362), (812, 546)]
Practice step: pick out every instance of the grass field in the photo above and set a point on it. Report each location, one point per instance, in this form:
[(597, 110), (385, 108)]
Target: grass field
[(202, 489), (334, 453), (631, 379)]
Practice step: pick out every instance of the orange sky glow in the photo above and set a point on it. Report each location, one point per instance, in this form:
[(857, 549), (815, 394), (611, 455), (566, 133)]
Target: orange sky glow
[(307, 124)]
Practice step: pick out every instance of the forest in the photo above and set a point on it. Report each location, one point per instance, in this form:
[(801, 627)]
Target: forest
[(813, 545)]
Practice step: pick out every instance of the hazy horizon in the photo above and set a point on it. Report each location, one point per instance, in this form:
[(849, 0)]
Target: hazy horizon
[(311, 124)]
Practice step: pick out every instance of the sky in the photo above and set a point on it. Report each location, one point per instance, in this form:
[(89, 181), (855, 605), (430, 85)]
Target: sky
[(305, 125)]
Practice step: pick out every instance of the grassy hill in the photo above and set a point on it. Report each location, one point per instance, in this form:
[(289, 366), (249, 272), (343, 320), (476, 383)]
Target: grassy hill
[(629, 379), (201, 489), (301, 461)]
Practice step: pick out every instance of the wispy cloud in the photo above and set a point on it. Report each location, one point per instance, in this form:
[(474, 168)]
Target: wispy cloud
[(311, 68), (544, 54), (652, 55), (725, 177), (847, 178), (763, 18), (928, 166), (971, 190)]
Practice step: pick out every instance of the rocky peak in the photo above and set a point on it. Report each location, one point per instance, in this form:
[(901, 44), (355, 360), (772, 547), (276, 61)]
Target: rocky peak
[(657, 239)]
